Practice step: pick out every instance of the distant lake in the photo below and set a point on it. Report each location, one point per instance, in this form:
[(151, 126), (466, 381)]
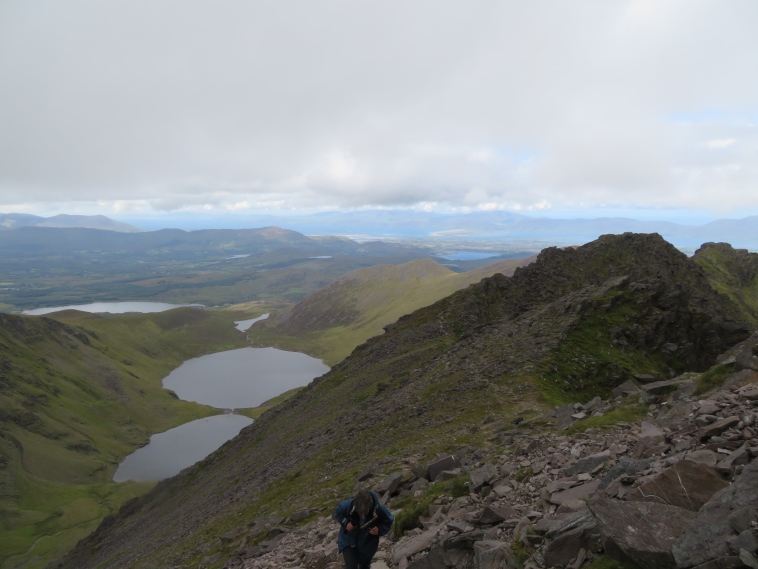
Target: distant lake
[(242, 378), (468, 255), (111, 307), (173, 450), (243, 325)]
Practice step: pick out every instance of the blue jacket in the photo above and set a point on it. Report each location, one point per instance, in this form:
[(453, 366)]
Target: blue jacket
[(360, 537)]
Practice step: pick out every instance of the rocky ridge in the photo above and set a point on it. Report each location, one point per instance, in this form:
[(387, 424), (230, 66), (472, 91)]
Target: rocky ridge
[(678, 489), (574, 324)]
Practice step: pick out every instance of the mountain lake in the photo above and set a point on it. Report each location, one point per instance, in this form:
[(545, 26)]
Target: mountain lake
[(241, 378)]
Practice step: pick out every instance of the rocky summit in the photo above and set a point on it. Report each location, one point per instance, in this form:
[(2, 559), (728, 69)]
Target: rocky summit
[(597, 407)]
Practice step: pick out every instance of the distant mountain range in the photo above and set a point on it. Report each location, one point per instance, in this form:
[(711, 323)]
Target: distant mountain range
[(500, 225), (15, 220)]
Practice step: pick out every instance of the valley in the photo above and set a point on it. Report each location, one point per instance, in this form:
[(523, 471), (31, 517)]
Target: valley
[(423, 359), (572, 325)]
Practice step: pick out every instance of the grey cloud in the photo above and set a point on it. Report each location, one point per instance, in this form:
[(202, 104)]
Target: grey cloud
[(189, 104)]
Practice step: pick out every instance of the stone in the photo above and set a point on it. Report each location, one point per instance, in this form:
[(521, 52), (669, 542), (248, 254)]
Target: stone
[(494, 515), (563, 416), (749, 392), (435, 559), (581, 492), (642, 532), (654, 392), (687, 485), (626, 388), (704, 456), (463, 540), (414, 544), (586, 464), (718, 427), (566, 547), (482, 476), (740, 378), (433, 469), (645, 378), (494, 555), (300, 515), (390, 484), (748, 357), (626, 467), (705, 539), (746, 540)]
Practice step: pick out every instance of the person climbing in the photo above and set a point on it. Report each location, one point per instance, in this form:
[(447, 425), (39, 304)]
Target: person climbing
[(363, 520)]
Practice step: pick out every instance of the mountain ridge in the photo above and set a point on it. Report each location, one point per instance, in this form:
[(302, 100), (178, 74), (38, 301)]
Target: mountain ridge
[(574, 323)]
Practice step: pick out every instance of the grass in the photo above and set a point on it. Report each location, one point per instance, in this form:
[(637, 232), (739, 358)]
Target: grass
[(78, 399), (712, 378), (412, 508), (629, 413)]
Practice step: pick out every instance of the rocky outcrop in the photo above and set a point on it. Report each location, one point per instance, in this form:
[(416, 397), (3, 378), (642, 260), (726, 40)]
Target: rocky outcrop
[(553, 500)]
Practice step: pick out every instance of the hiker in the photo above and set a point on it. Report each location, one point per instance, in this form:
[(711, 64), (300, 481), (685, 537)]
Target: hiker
[(363, 519)]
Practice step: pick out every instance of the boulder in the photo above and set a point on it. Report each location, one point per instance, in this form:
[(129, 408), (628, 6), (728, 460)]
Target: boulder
[(566, 547), (642, 532), (482, 476), (390, 484), (718, 427), (440, 465), (626, 388), (581, 492), (563, 416), (686, 485), (494, 555), (706, 538), (586, 464), (409, 546), (435, 559)]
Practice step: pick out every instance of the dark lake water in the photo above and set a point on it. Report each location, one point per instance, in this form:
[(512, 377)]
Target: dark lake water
[(242, 378), (169, 452), (227, 380), (110, 307)]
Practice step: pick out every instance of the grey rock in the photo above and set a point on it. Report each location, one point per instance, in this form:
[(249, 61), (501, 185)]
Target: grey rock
[(563, 416), (390, 484), (464, 540), (414, 544), (586, 464), (482, 476), (566, 547), (705, 539), (704, 456), (626, 467), (581, 492), (435, 559), (718, 427), (687, 485), (433, 469), (626, 388), (494, 555), (494, 515), (747, 540), (642, 532)]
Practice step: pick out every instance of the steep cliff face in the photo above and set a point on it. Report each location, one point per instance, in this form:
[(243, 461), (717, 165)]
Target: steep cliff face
[(576, 322)]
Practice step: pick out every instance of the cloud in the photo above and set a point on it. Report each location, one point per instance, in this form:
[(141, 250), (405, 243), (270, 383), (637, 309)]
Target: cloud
[(234, 105)]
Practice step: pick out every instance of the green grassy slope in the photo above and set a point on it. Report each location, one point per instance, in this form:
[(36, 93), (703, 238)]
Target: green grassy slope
[(733, 272), (330, 323), (78, 392), (482, 354)]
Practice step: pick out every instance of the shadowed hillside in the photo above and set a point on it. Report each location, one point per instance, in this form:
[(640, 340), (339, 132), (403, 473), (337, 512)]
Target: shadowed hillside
[(574, 323), (79, 392)]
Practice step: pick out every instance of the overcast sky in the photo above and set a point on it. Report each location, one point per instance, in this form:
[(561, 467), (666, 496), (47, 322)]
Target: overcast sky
[(138, 106)]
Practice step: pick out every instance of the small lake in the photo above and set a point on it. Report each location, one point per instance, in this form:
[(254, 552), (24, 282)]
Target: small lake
[(234, 379), (170, 452), (111, 307), (243, 325), (242, 378), (468, 255)]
